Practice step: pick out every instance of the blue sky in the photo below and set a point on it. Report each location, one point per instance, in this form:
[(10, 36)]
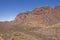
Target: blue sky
[(10, 8)]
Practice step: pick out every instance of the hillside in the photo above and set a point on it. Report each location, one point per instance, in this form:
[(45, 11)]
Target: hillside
[(42, 23), (39, 16)]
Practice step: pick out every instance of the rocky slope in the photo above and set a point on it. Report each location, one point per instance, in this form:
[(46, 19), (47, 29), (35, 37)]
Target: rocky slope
[(42, 23), (39, 16)]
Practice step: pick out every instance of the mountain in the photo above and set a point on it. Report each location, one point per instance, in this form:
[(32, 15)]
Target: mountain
[(39, 16), (42, 23)]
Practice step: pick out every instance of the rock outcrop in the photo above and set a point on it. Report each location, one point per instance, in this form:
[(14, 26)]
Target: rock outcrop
[(39, 16), (42, 23)]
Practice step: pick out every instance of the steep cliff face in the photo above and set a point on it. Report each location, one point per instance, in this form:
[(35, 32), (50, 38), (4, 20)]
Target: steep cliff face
[(39, 16)]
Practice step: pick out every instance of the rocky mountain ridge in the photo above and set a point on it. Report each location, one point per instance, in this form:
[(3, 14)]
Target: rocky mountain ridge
[(45, 15), (42, 23)]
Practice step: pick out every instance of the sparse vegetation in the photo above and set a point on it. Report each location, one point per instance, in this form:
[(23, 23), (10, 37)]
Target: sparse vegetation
[(39, 24)]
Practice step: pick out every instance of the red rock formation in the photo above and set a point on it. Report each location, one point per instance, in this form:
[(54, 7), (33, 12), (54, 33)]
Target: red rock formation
[(41, 15)]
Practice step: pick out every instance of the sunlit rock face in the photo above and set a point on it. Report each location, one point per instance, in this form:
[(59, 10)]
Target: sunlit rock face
[(39, 16), (42, 23)]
